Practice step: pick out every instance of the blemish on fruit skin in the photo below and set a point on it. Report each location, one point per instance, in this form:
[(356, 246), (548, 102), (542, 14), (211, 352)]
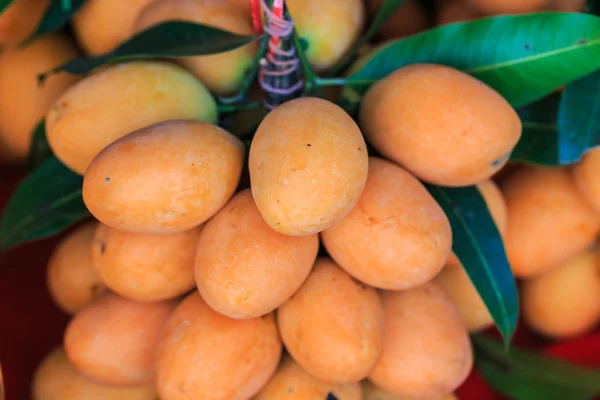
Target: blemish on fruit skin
[(107, 179)]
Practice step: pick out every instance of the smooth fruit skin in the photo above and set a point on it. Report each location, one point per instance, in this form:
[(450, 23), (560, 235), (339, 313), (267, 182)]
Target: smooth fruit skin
[(71, 277), (56, 379), (118, 100), (496, 7), (372, 392), (549, 222), (426, 350), (19, 20), (443, 125), (291, 382), (244, 269), (330, 27), (564, 302), (113, 340), (566, 5), (586, 177), (397, 237), (205, 355), (101, 25), (333, 325), (145, 267), (308, 166), (221, 73), (165, 178), (451, 11), (23, 101), (409, 19)]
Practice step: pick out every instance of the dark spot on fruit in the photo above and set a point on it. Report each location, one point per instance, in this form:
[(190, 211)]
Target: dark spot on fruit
[(95, 289), (107, 179), (359, 149), (308, 144), (290, 390), (193, 165)]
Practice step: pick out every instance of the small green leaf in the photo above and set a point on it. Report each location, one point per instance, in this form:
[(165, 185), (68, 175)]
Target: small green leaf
[(39, 151), (56, 17), (168, 40), (523, 57), (45, 203), (478, 245), (523, 375), (4, 5)]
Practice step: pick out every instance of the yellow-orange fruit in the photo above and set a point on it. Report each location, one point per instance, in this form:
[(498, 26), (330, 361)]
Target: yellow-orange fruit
[(549, 222), (397, 236), (426, 348), (23, 102), (102, 25), (244, 269), (495, 7), (145, 267), (308, 166), (118, 100), (565, 5), (72, 280), (443, 125), (56, 379), (205, 355), (586, 174), (564, 302), (221, 73), (409, 19), (113, 340), (372, 392), (456, 11), (165, 178), (330, 27), (19, 20), (333, 325), (291, 382)]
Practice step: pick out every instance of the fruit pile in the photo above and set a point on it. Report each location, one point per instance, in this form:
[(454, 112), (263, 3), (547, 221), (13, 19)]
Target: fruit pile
[(309, 260)]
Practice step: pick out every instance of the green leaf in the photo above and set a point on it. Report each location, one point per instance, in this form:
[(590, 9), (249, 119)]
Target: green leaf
[(478, 245), (39, 151), (523, 57), (56, 17), (4, 5), (45, 203), (167, 40), (523, 375)]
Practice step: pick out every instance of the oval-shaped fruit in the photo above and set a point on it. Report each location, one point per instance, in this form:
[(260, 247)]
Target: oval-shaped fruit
[(56, 379), (102, 25), (118, 100), (564, 302), (308, 165), (496, 7), (443, 125), (205, 355), (165, 178), (333, 325), (291, 382), (426, 348), (113, 340), (244, 269), (145, 267), (330, 27), (19, 114), (71, 277), (407, 20), (549, 222), (397, 236), (586, 174), (222, 73), (19, 20), (372, 392)]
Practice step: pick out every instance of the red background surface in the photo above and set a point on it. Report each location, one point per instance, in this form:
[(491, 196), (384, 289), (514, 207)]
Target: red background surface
[(30, 325)]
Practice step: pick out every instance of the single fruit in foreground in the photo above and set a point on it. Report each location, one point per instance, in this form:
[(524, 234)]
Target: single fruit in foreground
[(443, 125), (333, 325), (308, 166), (205, 355), (165, 178), (396, 237), (426, 348)]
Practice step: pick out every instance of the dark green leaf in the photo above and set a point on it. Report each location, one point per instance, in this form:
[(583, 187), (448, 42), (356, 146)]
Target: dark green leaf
[(168, 40), (45, 203), (524, 375), (4, 5), (524, 57), (56, 17), (39, 151), (478, 245)]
